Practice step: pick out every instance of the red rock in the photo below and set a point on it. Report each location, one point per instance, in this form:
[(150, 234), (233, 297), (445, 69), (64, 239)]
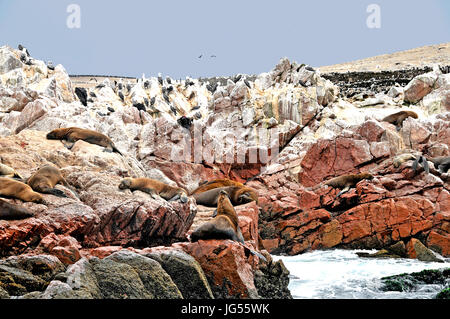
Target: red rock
[(226, 265), (440, 242)]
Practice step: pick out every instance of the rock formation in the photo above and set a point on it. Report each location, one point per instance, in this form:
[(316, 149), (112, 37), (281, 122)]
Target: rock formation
[(283, 133)]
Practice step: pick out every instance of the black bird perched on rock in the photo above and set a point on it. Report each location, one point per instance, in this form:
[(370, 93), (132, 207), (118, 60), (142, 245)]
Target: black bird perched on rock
[(120, 85), (185, 122), (211, 87), (170, 89), (173, 109), (152, 101), (146, 84), (195, 108), (166, 98), (160, 79), (247, 83), (23, 49), (191, 96), (100, 86), (302, 83), (92, 94), (50, 65), (237, 78), (309, 68), (121, 96), (82, 95), (140, 106), (145, 101), (168, 80), (111, 109)]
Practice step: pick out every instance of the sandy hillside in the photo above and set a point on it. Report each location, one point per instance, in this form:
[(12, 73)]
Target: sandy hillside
[(417, 57)]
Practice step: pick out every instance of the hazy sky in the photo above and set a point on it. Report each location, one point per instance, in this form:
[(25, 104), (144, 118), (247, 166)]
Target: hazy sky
[(246, 36)]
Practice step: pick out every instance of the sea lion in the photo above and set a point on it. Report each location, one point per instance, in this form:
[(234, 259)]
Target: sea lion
[(15, 189), (400, 159), (442, 163), (154, 187), (225, 224), (347, 181), (223, 182), (11, 212), (398, 118), (5, 170), (421, 160), (73, 134), (45, 179), (238, 194)]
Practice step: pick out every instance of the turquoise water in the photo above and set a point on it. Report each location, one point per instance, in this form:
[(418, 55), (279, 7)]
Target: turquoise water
[(341, 274)]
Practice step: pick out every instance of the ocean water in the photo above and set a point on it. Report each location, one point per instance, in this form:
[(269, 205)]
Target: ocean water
[(341, 274)]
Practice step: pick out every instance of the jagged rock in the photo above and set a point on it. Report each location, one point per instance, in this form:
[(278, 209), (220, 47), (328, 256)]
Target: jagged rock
[(156, 281), (420, 86), (186, 273), (415, 249)]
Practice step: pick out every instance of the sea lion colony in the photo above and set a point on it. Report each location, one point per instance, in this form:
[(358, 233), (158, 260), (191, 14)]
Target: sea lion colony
[(223, 193)]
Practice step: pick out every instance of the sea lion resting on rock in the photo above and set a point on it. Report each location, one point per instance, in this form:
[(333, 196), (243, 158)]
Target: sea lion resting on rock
[(73, 134), (19, 190), (398, 118), (400, 159), (238, 194), (8, 171), (154, 187), (215, 184), (45, 179), (225, 224), (347, 181), (10, 212), (442, 163)]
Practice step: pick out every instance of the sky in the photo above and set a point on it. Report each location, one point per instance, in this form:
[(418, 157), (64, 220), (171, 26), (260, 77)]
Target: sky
[(131, 38)]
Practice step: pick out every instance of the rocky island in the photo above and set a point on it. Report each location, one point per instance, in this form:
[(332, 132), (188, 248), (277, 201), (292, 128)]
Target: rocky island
[(382, 130)]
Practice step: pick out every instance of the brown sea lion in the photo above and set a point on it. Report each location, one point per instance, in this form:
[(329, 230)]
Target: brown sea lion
[(73, 134), (7, 171), (11, 212), (154, 187), (15, 189), (225, 224), (238, 194), (347, 181), (400, 159), (398, 118), (442, 163), (45, 179), (215, 184)]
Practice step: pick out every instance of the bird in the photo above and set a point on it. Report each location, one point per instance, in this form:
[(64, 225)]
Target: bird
[(200, 56), (168, 80), (213, 56), (146, 84), (237, 78), (152, 101), (173, 109), (160, 79), (247, 83), (121, 96), (50, 65), (166, 98)]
